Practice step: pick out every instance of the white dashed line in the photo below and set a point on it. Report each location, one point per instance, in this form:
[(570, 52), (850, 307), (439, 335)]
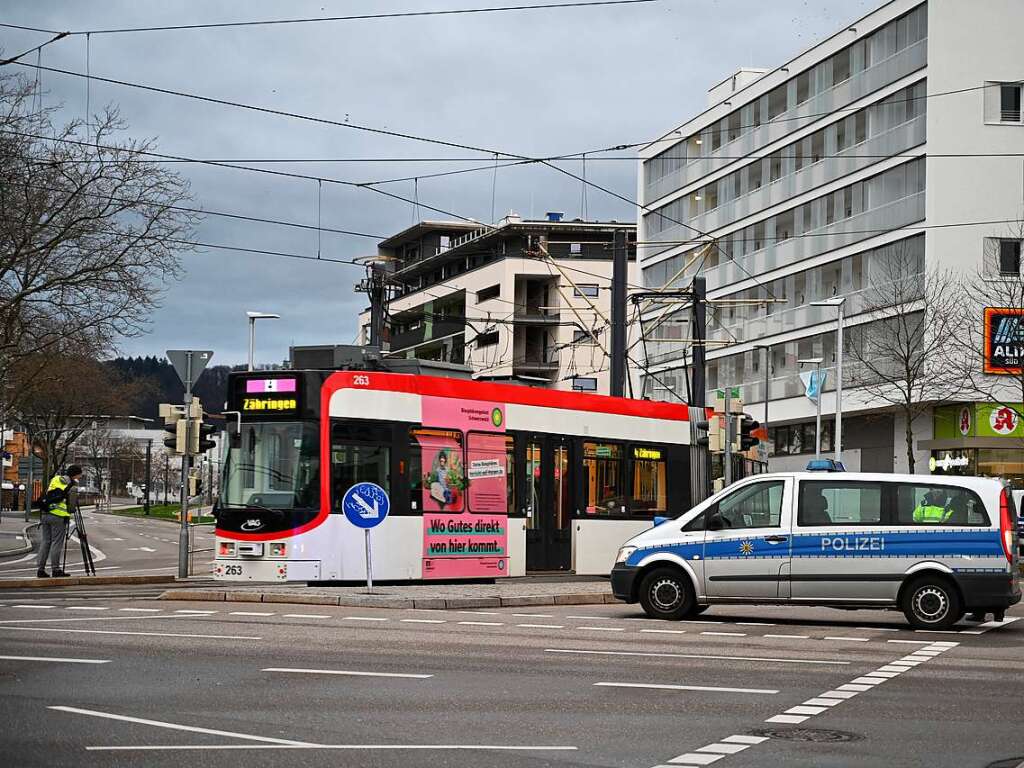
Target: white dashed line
[(541, 626), (250, 613), (591, 618), (847, 639), (668, 687), (753, 624), (33, 606), (602, 629), (306, 616), (647, 654), (364, 618), (482, 623), (87, 608), (665, 631), (726, 634), (533, 615), (910, 642), (345, 672), (140, 610), (481, 613), (196, 613), (790, 637), (423, 621)]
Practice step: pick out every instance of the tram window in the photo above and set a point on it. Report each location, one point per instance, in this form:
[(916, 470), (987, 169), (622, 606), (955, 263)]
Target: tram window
[(489, 462), (437, 482), (603, 465), (353, 463), (276, 465), (649, 477)]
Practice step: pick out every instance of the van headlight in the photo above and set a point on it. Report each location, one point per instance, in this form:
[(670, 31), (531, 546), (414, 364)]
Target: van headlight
[(624, 554)]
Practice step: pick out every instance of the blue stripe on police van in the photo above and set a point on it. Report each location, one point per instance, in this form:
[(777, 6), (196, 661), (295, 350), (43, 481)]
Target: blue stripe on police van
[(883, 543)]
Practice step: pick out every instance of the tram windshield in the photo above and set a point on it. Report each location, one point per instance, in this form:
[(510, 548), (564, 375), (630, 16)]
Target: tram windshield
[(276, 466)]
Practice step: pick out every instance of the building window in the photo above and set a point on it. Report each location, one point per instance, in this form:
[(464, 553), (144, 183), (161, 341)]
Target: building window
[(1009, 257), (1009, 103), (491, 292), (487, 339), (584, 384), (576, 248), (589, 290), (581, 337)]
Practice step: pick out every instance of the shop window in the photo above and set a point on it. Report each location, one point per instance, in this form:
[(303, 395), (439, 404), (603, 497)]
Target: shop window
[(938, 505), (840, 503), (437, 482), (649, 477), (489, 463), (602, 463)]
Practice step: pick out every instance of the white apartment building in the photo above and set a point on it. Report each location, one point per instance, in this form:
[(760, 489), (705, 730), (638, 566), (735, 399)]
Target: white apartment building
[(523, 301), (808, 173)]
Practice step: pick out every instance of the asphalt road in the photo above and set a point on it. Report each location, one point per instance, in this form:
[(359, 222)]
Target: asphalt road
[(145, 682), (122, 546)]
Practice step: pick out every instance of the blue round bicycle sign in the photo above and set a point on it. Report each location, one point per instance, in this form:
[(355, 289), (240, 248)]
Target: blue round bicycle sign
[(366, 505)]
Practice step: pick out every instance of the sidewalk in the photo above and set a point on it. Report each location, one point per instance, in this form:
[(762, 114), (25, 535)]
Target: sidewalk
[(13, 538), (524, 591)]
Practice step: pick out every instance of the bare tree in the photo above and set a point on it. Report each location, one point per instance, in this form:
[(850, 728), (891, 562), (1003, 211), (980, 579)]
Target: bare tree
[(89, 236), (999, 284), (906, 355)]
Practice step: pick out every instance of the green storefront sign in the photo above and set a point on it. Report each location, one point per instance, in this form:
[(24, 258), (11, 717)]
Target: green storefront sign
[(955, 422)]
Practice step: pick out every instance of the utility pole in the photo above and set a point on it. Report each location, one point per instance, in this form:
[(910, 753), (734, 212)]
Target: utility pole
[(167, 468), (701, 469), (149, 475), (620, 263), (729, 431), (31, 462), (183, 530)]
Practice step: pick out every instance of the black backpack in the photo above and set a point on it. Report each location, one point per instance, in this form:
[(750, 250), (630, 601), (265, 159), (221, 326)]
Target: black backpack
[(51, 498)]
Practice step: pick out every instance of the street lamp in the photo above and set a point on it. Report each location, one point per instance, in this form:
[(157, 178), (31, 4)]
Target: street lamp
[(253, 317), (816, 362), (837, 302)]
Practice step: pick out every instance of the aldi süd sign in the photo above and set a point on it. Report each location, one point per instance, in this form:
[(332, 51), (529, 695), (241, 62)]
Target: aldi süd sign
[(1004, 341)]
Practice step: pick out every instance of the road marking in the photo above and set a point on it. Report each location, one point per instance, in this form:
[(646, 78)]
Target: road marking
[(847, 639), (354, 747), (541, 626), (196, 613), (349, 673), (424, 621), (176, 726), (141, 549), (62, 660), (534, 615), (591, 618), (910, 642), (603, 629), (853, 687), (693, 656), (839, 694), (726, 634), (753, 624), (483, 623), (33, 605), (115, 539), (802, 710), (665, 631), (822, 702), (141, 610), (86, 608), (700, 621), (363, 618), (306, 616), (790, 637), (868, 680), (667, 687), (136, 634), (480, 613), (250, 613), (694, 758), (792, 719)]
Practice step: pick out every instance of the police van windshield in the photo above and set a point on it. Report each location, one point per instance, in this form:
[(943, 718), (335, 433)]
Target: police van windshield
[(276, 466)]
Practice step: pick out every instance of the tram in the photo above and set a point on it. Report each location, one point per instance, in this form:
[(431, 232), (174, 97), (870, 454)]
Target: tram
[(485, 480)]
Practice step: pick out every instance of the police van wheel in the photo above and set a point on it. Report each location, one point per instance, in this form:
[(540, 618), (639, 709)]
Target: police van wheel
[(666, 593), (931, 603)]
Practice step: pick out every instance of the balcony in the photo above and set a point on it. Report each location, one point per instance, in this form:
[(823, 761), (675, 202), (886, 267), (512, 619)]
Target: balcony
[(863, 226), (538, 317), (429, 330), (878, 76), (546, 369)]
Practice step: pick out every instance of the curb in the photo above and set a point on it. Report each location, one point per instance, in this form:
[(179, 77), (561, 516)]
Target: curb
[(26, 547), (76, 581), (384, 601)]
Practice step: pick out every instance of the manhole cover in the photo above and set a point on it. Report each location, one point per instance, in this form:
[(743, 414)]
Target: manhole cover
[(1012, 762), (806, 734)]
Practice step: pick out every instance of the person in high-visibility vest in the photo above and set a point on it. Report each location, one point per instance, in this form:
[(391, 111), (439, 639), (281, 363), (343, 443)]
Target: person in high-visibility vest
[(932, 509), (61, 497)]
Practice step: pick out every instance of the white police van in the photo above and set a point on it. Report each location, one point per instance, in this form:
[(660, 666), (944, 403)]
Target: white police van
[(934, 547)]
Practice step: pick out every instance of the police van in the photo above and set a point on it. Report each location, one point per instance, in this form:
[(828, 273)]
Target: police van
[(936, 548)]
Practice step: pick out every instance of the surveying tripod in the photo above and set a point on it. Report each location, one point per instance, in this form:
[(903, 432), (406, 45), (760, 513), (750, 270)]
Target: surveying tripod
[(83, 540)]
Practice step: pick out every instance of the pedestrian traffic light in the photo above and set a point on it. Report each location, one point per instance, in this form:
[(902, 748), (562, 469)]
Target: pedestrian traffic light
[(745, 425), (174, 426), (712, 438)]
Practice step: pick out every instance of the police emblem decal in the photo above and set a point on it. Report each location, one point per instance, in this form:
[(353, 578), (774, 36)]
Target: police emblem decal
[(746, 548)]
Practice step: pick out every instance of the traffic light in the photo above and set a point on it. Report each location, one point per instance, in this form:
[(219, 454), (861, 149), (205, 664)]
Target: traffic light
[(745, 425), (203, 437), (195, 484), (712, 439), (174, 426)]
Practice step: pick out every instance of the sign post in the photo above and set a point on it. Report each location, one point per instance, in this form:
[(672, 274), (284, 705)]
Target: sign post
[(366, 505), (189, 365)]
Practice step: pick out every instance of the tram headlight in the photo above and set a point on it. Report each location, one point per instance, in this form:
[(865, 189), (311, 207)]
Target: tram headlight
[(624, 554), (226, 549)]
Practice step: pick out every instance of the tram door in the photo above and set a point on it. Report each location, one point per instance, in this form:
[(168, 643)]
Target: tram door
[(547, 501)]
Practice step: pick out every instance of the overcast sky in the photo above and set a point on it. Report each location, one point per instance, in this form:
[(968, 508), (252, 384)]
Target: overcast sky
[(535, 83)]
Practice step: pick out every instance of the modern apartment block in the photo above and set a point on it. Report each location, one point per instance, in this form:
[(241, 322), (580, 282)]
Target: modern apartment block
[(809, 175), (522, 301)]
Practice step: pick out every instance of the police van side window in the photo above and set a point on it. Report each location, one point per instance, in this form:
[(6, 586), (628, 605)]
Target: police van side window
[(755, 506), (938, 505), (839, 503), (696, 524)]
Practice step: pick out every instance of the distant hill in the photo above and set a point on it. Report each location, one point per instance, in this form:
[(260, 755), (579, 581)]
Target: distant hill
[(164, 386)]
